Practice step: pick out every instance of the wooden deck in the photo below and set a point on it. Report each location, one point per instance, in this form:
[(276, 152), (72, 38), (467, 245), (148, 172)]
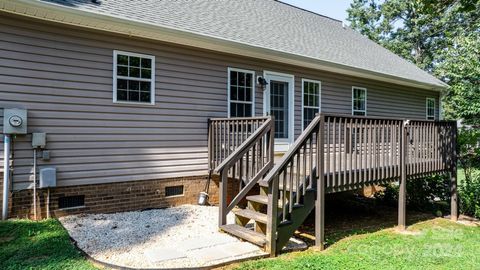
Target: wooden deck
[(356, 152)]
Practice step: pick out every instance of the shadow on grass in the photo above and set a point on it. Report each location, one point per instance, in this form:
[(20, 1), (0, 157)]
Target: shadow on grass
[(347, 214)]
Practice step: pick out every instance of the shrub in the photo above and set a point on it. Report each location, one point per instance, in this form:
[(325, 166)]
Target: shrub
[(469, 151), (426, 194), (469, 192), (469, 160)]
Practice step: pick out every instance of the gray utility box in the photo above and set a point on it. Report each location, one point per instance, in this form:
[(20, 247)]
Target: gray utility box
[(39, 140), (14, 121), (48, 177)]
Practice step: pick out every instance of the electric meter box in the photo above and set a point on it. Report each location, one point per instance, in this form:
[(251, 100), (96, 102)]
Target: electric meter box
[(14, 121), (48, 177)]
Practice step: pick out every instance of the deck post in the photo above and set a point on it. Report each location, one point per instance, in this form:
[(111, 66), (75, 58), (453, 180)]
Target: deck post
[(402, 196), (272, 210), (453, 176), (209, 144), (222, 219), (320, 202), (272, 213)]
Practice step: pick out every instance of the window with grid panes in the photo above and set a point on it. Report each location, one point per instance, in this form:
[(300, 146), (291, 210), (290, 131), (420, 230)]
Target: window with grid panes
[(241, 93), (311, 101), (134, 78), (359, 101), (430, 109)]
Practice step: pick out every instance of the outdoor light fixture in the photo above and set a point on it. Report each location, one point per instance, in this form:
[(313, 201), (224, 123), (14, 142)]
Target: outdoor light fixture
[(262, 82)]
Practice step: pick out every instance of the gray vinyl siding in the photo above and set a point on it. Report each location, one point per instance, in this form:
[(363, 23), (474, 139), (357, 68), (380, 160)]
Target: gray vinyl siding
[(64, 79)]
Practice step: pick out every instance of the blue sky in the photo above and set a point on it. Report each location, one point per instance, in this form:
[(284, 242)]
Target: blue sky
[(336, 9)]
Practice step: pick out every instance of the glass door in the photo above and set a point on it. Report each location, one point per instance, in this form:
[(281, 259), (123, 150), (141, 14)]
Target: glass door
[(279, 108), (278, 102)]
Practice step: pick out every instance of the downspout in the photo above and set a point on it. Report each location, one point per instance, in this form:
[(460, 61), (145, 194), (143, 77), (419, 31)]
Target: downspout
[(6, 174)]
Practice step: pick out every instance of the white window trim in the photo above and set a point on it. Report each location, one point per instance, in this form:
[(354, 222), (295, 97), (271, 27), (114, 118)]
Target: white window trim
[(281, 145), (152, 80), (303, 96), (366, 99), (434, 108), (229, 70)]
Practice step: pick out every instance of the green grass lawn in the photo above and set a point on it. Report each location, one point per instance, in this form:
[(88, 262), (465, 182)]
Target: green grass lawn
[(461, 174), (38, 245), (433, 244)]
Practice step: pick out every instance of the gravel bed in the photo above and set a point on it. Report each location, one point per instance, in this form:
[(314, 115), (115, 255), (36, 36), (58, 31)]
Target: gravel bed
[(128, 239)]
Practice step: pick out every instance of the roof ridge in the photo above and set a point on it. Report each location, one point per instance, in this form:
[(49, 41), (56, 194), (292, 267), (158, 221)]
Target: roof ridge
[(309, 11)]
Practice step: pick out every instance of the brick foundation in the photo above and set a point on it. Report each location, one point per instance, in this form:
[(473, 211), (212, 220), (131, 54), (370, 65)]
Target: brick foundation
[(116, 197)]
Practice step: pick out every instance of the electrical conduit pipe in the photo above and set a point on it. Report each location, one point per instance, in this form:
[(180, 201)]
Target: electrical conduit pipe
[(6, 174)]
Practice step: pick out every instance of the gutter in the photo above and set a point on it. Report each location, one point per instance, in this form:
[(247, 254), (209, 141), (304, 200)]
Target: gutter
[(97, 21)]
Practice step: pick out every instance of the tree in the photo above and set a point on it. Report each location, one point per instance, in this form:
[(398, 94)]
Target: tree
[(461, 70), (439, 36)]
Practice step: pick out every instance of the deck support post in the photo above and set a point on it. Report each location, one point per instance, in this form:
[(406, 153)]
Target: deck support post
[(272, 209), (272, 212), (402, 196), (320, 202), (453, 177), (222, 219)]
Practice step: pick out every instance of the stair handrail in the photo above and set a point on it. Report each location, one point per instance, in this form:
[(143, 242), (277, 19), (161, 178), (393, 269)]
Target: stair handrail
[(313, 126), (272, 181), (263, 136)]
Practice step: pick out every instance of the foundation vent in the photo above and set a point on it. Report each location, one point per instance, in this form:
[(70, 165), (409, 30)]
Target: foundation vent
[(71, 201), (174, 191)]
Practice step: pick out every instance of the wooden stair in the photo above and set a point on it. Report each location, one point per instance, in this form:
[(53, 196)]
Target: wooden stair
[(256, 213), (287, 183), (251, 215), (245, 234)]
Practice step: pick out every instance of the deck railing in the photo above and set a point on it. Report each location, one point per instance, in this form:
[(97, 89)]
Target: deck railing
[(430, 147), (349, 152), (245, 156), (357, 151), (360, 151), (225, 135)]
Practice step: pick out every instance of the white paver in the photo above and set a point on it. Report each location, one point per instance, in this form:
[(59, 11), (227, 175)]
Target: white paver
[(156, 255), (204, 242), (229, 251)]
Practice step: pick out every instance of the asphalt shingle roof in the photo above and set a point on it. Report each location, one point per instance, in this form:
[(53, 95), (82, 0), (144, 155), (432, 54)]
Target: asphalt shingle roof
[(263, 23)]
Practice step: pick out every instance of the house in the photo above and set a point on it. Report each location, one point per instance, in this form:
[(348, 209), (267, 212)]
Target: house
[(124, 91)]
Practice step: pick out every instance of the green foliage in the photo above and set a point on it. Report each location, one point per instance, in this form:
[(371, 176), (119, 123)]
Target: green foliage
[(469, 151), (469, 159), (425, 194), (470, 196), (28, 244), (461, 70), (439, 36), (438, 244)]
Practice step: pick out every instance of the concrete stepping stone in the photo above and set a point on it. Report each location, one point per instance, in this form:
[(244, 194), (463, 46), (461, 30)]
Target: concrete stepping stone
[(156, 255), (204, 242), (225, 251)]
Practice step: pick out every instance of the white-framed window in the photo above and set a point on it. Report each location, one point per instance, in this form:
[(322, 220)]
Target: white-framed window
[(311, 100), (430, 109), (241, 93), (359, 101), (133, 78)]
